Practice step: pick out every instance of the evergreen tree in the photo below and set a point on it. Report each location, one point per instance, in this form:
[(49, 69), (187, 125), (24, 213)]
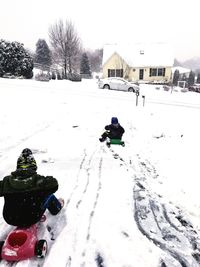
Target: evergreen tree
[(43, 54), (191, 78), (175, 77), (198, 77), (15, 60), (85, 66)]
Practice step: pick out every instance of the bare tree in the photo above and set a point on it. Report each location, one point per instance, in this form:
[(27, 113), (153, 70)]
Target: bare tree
[(66, 45), (95, 58)]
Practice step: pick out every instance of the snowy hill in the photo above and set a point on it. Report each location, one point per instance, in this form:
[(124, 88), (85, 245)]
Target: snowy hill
[(129, 206)]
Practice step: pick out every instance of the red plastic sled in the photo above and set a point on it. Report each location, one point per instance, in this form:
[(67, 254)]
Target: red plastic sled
[(22, 243)]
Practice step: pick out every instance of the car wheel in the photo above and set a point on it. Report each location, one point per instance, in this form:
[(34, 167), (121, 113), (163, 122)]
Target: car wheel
[(106, 86), (131, 89)]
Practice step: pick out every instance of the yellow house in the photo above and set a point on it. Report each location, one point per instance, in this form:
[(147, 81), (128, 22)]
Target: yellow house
[(139, 62)]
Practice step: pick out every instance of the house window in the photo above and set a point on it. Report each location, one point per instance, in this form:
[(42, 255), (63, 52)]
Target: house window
[(115, 72), (118, 72), (153, 72), (157, 72), (111, 73), (161, 72)]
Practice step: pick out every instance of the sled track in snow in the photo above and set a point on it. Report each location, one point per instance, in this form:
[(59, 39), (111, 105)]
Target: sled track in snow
[(92, 213), (88, 179), (96, 199), (86, 168), (77, 179), (80, 194), (99, 260)]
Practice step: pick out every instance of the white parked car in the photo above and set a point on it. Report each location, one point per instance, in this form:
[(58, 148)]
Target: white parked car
[(115, 83)]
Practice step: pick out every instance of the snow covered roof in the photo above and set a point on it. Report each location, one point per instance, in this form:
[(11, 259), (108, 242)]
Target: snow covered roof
[(141, 54), (181, 70)]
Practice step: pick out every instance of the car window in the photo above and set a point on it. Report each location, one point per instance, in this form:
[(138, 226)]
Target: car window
[(118, 81)]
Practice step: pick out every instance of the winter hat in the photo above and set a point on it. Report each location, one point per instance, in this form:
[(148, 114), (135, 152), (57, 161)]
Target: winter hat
[(26, 152), (114, 120), (26, 160)]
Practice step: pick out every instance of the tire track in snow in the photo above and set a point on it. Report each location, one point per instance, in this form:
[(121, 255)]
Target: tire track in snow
[(163, 233), (166, 231), (172, 216), (141, 213), (187, 229)]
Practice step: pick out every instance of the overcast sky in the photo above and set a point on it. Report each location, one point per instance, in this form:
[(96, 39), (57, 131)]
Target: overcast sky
[(106, 21)]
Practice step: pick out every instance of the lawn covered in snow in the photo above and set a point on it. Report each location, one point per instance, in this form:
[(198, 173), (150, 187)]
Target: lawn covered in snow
[(132, 206)]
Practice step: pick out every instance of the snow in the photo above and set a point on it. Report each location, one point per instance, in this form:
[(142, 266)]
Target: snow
[(181, 70), (129, 206), (141, 54)]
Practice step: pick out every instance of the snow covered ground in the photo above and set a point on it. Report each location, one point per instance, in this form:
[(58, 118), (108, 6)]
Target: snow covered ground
[(132, 206)]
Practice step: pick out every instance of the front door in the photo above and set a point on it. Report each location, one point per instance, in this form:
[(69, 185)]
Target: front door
[(141, 74)]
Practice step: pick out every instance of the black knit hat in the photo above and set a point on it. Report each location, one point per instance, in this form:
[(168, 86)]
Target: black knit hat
[(26, 160)]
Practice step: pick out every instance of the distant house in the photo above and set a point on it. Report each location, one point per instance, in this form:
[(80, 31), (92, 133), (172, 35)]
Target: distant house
[(139, 62)]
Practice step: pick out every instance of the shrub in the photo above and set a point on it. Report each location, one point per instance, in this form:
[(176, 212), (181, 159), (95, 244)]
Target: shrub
[(74, 77), (42, 77), (15, 60), (166, 88), (53, 76)]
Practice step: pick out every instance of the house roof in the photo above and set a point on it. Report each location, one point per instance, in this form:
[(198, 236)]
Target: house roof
[(141, 54)]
